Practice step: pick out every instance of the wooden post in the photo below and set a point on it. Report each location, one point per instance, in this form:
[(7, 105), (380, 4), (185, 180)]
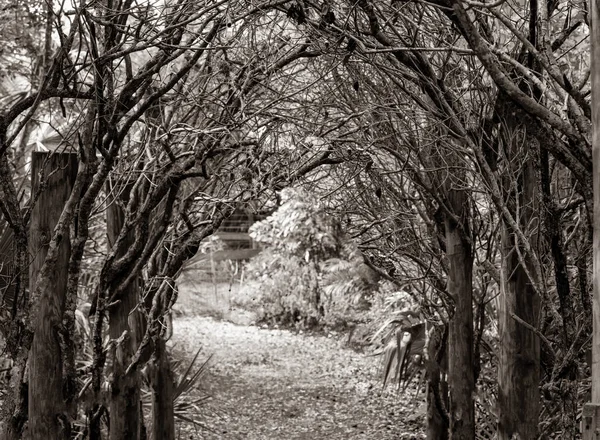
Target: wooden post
[(47, 408), (125, 420), (592, 410), (589, 421)]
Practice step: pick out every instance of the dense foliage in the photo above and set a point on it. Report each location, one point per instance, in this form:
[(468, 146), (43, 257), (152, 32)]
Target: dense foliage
[(309, 273)]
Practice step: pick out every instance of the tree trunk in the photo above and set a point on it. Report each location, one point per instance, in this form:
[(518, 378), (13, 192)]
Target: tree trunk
[(595, 75), (47, 411), (461, 382), (437, 392), (125, 408), (163, 386), (519, 354)]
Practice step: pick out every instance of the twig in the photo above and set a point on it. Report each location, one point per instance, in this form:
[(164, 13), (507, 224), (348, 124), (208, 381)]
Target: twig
[(534, 330)]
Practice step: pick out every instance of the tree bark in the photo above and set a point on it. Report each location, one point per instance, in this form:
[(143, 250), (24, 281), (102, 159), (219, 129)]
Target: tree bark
[(47, 411), (519, 354), (437, 391), (461, 382), (595, 75), (163, 426), (124, 320), (18, 334)]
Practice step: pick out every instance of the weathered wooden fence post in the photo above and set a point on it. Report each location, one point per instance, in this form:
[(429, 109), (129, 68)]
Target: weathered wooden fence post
[(591, 411), (125, 410), (46, 400)]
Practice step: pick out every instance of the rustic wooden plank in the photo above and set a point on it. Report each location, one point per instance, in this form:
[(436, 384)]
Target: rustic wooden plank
[(233, 236)]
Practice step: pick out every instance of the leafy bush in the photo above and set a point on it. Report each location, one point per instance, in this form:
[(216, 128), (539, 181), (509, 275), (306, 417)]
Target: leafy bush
[(308, 273), (285, 286), (299, 227), (399, 337)]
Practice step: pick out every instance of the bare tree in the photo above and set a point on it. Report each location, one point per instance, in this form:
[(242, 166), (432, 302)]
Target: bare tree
[(173, 104), (445, 59)]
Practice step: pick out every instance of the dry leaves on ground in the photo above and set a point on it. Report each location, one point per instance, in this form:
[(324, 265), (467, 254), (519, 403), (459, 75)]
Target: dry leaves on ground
[(274, 384)]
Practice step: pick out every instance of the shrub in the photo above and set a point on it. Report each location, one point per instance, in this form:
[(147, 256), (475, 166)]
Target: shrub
[(285, 289), (308, 273)]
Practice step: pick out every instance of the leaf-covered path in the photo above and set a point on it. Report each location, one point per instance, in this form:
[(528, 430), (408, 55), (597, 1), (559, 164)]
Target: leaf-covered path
[(274, 384)]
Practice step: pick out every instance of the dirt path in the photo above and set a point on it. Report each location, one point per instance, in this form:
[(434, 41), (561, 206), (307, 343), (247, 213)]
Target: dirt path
[(273, 384)]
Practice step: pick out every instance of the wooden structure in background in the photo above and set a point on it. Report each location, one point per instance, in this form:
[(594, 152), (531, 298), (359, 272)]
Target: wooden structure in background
[(233, 232), (46, 402), (238, 246)]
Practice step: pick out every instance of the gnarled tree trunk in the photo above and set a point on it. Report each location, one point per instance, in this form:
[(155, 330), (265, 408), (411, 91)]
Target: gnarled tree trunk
[(125, 408), (48, 415)]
